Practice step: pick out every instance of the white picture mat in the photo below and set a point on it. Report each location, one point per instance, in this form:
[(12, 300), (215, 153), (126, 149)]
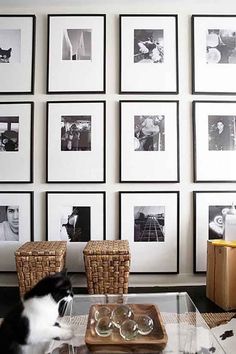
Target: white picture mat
[(56, 203), (15, 165), (8, 248), (212, 77), (75, 165), (148, 76), (156, 165), (76, 75), (16, 77), (203, 201), (212, 165), (151, 256)]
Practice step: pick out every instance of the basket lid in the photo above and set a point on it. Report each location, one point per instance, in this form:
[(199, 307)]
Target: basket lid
[(43, 248), (107, 247)]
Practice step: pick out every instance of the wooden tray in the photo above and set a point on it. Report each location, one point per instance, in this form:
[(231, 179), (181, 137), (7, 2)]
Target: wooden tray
[(151, 343)]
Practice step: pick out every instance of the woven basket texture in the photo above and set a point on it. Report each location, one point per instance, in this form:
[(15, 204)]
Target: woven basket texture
[(35, 260), (107, 265)]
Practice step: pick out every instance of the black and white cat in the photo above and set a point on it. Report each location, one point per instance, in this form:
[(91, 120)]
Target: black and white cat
[(5, 55), (33, 320)]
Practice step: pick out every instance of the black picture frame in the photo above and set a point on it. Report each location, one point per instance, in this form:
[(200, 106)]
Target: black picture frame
[(208, 210), (89, 70), (97, 161), (163, 114), (25, 201), (210, 72), (207, 158), (171, 74), (169, 265), (93, 204), (22, 143), (16, 77)]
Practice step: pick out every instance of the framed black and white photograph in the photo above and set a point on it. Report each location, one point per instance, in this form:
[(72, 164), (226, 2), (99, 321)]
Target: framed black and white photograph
[(16, 142), (149, 141), (149, 54), (75, 217), (214, 125), (16, 226), (17, 54), (210, 208), (213, 54), (150, 222), (76, 141), (76, 53)]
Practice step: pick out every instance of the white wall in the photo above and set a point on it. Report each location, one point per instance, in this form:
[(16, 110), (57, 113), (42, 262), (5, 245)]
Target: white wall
[(113, 8)]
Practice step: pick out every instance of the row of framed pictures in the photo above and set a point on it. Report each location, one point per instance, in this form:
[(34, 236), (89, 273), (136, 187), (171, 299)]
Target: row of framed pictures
[(148, 54), (149, 141), (149, 220)]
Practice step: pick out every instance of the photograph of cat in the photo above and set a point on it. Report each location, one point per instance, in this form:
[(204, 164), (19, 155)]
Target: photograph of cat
[(33, 321), (10, 46)]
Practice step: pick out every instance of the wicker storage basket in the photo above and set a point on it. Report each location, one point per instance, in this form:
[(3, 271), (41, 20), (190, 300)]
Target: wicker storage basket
[(107, 265), (35, 260)]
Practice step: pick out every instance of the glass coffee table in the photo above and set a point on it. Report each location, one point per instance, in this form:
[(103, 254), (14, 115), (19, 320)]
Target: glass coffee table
[(187, 331)]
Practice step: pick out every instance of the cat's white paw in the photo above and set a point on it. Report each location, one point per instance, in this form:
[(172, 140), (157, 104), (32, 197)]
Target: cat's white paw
[(66, 333)]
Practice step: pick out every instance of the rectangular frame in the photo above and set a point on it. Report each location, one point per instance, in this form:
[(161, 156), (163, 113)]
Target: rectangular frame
[(161, 259), (90, 70), (81, 165), (208, 223), (59, 222), (138, 165), (213, 65), (214, 149), (16, 147), (20, 219), (151, 30), (17, 34)]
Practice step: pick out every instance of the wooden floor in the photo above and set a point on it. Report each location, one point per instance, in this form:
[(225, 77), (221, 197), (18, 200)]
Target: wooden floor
[(10, 295)]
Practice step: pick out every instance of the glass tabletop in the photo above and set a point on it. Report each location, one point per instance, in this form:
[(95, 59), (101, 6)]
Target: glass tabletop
[(186, 329)]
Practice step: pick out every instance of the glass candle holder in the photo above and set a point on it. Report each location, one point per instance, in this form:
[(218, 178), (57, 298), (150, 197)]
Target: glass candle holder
[(145, 324), (102, 311), (129, 329), (104, 326), (120, 314)]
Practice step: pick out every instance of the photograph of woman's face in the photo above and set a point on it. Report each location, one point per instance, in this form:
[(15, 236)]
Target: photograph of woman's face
[(13, 218)]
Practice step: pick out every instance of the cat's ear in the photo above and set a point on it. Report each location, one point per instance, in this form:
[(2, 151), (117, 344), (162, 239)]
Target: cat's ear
[(10, 49), (64, 272)]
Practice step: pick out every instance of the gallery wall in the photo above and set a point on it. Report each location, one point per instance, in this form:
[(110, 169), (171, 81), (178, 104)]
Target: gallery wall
[(184, 9)]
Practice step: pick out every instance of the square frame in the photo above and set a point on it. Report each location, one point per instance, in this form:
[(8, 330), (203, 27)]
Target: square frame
[(10, 227), (162, 260), (157, 29), (16, 150), (20, 78), (92, 205), (213, 64), (208, 224), (134, 151), (213, 146), (91, 163), (85, 64)]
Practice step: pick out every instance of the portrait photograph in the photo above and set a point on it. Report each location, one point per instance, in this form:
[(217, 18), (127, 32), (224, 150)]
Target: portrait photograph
[(75, 217), (149, 141), (17, 54), (149, 54), (149, 220), (210, 209), (213, 54), (214, 141), (76, 54), (76, 141), (16, 225), (16, 142), (149, 224)]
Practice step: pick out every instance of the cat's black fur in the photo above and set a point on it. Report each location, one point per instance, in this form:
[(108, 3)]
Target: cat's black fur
[(5, 55), (33, 320)]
